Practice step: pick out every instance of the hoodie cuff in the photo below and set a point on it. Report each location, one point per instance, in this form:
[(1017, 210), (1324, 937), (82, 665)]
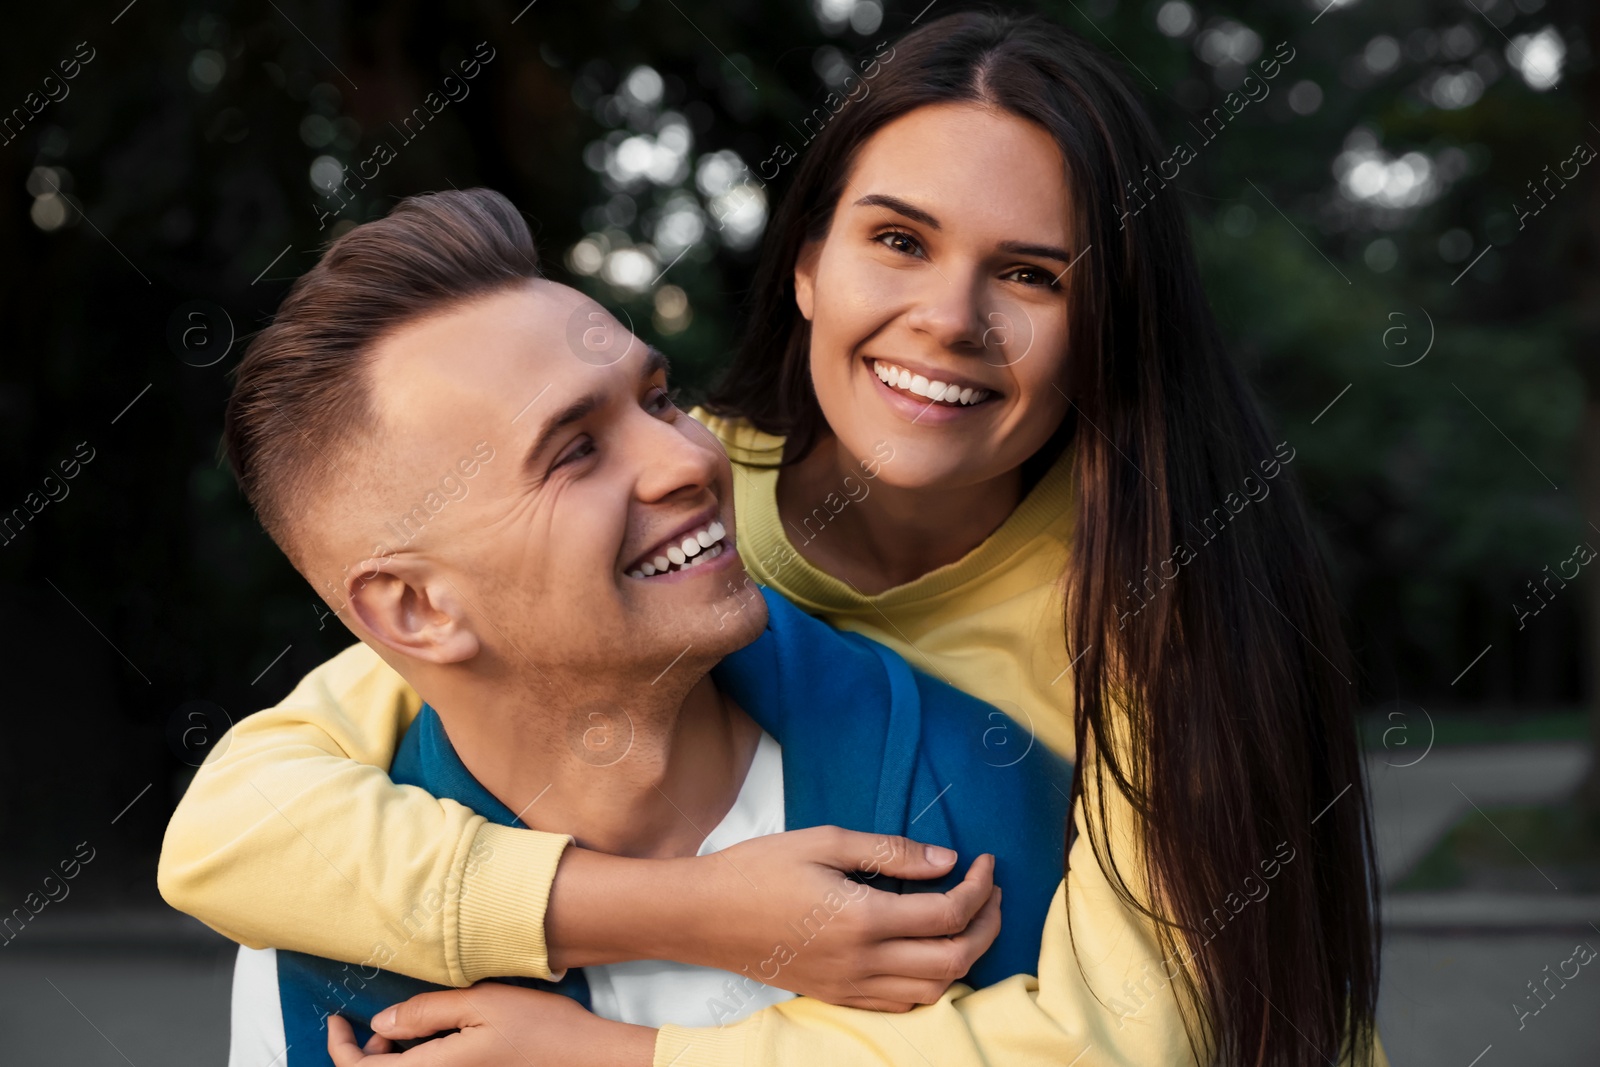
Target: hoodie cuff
[(682, 1046), (505, 891)]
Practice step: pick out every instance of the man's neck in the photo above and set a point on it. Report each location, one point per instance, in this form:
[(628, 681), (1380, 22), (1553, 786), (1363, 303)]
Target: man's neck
[(636, 772)]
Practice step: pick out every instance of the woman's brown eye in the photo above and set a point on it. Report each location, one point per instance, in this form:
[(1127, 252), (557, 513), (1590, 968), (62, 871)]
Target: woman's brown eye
[(1034, 276), (900, 243)]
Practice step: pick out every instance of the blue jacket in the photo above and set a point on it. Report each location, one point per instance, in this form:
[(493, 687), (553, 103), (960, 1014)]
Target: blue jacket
[(868, 744)]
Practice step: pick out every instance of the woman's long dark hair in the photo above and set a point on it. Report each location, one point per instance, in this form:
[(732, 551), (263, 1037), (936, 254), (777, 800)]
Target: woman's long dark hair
[(1214, 688)]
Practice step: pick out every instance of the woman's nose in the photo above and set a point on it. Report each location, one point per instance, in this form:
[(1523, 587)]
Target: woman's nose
[(948, 309)]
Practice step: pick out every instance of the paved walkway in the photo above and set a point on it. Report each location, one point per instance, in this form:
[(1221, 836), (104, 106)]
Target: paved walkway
[(1448, 1001), (1414, 805), (1456, 965)]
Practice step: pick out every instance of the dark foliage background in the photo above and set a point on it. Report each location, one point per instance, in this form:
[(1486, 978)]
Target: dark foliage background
[(1373, 207)]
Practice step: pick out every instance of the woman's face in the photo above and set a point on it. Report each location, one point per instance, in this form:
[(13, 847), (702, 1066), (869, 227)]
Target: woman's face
[(937, 297)]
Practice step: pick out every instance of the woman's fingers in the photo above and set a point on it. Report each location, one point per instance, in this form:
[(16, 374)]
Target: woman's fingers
[(984, 928), (888, 1007), (939, 914), (941, 959), (875, 854)]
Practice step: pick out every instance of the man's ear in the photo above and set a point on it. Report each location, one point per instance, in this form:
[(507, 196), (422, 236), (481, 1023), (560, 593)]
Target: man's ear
[(406, 605), (805, 278)]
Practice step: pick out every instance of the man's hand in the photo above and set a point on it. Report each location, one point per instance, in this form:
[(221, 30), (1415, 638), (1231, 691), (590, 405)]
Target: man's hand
[(780, 910), (497, 1026)]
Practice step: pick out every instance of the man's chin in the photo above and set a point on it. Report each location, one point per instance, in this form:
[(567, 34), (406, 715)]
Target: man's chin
[(715, 614)]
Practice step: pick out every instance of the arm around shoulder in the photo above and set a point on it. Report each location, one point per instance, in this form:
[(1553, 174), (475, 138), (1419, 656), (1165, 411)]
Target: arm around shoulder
[(293, 835)]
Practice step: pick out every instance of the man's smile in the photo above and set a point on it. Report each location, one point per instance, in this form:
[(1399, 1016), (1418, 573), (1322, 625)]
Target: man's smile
[(685, 549)]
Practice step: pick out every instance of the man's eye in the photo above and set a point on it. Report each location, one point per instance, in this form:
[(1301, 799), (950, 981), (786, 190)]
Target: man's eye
[(582, 447), (658, 401), (900, 242)]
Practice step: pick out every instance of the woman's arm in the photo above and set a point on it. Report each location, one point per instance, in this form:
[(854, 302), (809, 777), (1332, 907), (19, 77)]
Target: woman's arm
[(1109, 1004), (293, 835), (1082, 1017)]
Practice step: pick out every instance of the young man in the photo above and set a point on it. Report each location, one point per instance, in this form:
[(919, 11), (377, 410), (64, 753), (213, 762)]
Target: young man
[(520, 522)]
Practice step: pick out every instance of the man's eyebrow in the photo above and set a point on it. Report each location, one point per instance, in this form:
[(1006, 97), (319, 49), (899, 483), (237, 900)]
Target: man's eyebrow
[(911, 211), (894, 203), (655, 362)]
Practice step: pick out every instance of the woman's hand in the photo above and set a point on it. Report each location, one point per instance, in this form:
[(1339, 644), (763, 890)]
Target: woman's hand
[(781, 910), (497, 1026)]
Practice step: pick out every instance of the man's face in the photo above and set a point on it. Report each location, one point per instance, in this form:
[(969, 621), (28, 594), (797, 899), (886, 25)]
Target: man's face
[(540, 477)]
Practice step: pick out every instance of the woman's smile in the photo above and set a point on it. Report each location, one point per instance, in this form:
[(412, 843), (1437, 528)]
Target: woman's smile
[(928, 401)]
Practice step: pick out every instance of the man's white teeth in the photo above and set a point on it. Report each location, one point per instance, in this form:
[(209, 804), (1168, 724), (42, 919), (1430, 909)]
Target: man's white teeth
[(940, 392), (646, 570), (696, 548)]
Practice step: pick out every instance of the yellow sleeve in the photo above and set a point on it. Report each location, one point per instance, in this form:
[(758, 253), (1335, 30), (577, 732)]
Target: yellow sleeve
[(292, 835), (1108, 1005)]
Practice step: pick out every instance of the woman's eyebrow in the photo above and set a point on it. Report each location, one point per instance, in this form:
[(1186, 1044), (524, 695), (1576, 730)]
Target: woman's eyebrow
[(894, 203), (1020, 248), (911, 211)]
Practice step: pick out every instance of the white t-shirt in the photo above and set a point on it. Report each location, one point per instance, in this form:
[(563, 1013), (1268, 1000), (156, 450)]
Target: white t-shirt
[(645, 992), (654, 992)]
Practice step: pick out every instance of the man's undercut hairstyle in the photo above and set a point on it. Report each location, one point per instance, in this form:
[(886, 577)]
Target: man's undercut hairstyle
[(301, 401)]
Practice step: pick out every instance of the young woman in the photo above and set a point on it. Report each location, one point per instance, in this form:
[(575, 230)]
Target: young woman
[(982, 415)]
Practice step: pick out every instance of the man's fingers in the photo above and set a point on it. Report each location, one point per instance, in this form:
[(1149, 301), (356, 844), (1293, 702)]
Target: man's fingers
[(940, 914), (342, 1047), (426, 1014)]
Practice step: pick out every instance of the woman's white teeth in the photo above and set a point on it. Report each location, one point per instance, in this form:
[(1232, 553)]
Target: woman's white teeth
[(942, 392), (695, 548)]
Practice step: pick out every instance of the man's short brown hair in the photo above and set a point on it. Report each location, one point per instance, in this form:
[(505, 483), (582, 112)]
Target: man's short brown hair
[(301, 401)]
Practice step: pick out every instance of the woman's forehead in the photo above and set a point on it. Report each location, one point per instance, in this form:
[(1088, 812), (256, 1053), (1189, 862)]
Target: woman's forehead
[(966, 162)]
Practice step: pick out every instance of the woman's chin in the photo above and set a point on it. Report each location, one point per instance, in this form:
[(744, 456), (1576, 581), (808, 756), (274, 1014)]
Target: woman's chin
[(921, 467)]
